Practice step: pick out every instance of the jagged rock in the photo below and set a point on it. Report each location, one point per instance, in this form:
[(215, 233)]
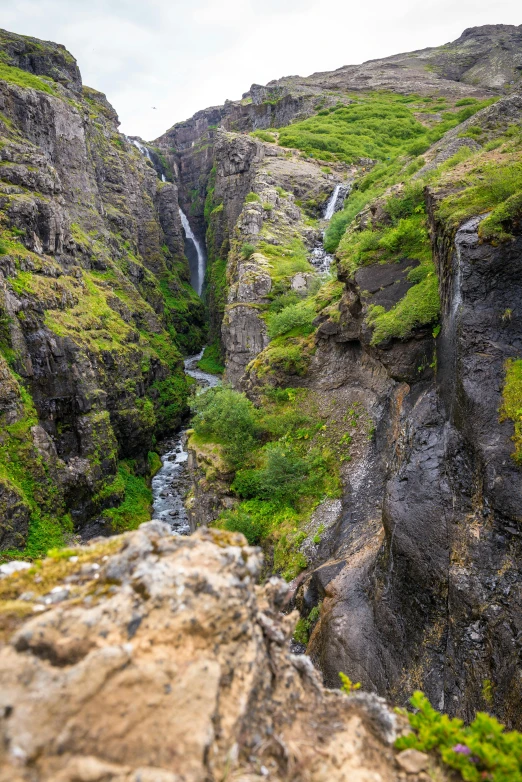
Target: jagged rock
[(188, 675)]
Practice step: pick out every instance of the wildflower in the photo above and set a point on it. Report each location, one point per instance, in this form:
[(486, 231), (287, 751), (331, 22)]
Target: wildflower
[(462, 749)]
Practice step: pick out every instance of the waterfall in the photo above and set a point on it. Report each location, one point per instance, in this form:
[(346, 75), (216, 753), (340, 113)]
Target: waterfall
[(142, 148), (336, 200), (197, 274)]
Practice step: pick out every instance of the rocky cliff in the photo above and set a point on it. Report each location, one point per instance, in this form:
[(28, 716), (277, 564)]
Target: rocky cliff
[(379, 393), (95, 301), (187, 677), (411, 576)]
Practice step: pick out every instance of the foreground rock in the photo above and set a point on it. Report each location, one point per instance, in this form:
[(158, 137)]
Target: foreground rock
[(164, 662)]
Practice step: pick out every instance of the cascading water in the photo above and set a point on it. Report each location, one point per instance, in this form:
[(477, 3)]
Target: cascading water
[(142, 148), (319, 258), (197, 259), (170, 483), (336, 200)]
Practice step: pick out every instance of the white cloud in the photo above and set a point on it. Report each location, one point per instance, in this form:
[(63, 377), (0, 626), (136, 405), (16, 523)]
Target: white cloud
[(181, 57)]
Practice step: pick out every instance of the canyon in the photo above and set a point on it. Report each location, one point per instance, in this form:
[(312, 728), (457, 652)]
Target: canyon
[(356, 240)]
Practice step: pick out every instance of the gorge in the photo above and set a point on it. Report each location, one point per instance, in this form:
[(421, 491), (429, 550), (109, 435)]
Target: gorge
[(337, 261)]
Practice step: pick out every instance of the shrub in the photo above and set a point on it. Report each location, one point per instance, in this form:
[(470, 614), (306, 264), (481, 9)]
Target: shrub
[(294, 316), (267, 206), (483, 750), (253, 527), (282, 479), (230, 419), (252, 198), (247, 251)]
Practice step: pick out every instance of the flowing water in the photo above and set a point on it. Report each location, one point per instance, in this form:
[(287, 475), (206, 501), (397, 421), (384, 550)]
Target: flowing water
[(195, 254), (171, 483), (319, 258)]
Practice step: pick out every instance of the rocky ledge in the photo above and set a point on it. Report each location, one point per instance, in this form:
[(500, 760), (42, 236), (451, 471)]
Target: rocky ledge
[(156, 658)]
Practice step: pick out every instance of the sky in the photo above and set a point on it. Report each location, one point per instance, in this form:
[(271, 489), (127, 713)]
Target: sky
[(160, 61)]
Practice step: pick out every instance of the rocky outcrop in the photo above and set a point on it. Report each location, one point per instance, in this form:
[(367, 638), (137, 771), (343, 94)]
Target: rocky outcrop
[(188, 675), (94, 297)]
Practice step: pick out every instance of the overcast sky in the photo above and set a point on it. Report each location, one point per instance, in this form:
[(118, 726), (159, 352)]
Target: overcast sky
[(180, 57)]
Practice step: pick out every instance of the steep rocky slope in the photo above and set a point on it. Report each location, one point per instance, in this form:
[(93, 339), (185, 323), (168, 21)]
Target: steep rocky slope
[(410, 578), (187, 677), (95, 301)]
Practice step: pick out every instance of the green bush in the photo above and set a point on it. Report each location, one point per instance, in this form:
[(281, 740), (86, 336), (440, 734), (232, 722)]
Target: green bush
[(211, 361), (297, 316), (229, 418), (252, 198), (483, 750), (247, 251), (283, 478), (253, 527), (419, 307)]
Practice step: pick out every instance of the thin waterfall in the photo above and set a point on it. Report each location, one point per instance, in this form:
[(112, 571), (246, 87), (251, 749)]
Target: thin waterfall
[(199, 276), (336, 200), (142, 148)]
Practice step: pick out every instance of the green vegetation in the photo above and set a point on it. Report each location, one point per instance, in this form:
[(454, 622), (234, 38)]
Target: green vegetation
[(419, 307), (378, 126), (512, 403), (282, 465), (24, 474), (294, 317), (287, 259), (264, 135), (247, 250), (304, 626), (24, 79), (252, 198), (347, 686), (494, 187), (136, 506), (211, 360), (483, 750)]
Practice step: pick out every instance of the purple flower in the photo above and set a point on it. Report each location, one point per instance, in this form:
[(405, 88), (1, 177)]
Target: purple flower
[(462, 749)]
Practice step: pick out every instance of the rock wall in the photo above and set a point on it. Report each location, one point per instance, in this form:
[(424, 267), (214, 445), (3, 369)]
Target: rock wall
[(94, 298)]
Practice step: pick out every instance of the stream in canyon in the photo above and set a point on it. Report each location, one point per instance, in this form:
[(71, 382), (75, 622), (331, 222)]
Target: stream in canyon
[(170, 484)]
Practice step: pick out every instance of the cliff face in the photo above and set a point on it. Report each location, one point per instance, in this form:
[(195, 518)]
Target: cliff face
[(415, 569), (95, 299)]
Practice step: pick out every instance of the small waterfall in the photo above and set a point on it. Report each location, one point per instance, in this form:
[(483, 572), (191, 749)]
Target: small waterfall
[(336, 200), (142, 148), (197, 274)]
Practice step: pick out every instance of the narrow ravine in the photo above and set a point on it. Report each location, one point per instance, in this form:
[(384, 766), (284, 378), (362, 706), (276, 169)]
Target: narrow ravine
[(170, 484)]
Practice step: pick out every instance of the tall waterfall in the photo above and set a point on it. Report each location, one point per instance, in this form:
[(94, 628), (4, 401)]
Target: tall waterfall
[(198, 274)]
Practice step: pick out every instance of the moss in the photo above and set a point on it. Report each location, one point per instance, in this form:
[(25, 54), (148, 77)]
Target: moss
[(286, 259), (211, 361), (419, 307), (511, 407), (24, 79), (252, 198), (154, 462), (264, 135)]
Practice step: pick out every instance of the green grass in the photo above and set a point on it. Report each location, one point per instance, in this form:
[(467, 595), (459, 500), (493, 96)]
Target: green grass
[(378, 125), (264, 135), (512, 403), (287, 259), (24, 79), (211, 360), (489, 187), (419, 307), (281, 472)]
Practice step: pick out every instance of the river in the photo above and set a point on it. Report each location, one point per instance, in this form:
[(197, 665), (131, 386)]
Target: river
[(171, 482)]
